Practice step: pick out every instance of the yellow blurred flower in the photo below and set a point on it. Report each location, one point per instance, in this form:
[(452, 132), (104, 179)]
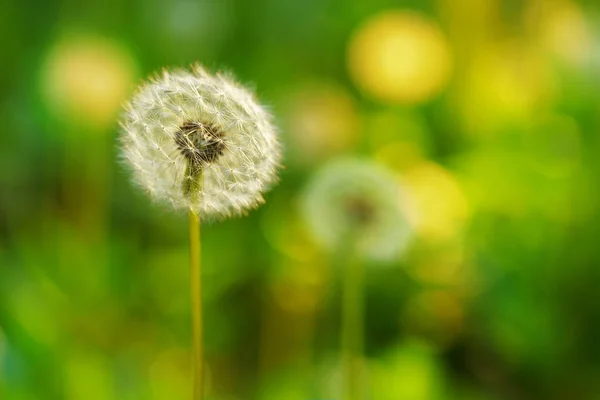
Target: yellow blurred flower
[(399, 57), (436, 204), (86, 78)]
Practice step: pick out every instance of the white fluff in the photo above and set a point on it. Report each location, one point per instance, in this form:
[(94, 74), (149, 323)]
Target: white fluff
[(234, 182)]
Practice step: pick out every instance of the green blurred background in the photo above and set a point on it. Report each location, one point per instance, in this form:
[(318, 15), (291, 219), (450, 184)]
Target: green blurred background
[(487, 112)]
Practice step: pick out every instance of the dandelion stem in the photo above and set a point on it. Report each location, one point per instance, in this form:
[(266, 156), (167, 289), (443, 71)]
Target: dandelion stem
[(196, 297), (352, 330)]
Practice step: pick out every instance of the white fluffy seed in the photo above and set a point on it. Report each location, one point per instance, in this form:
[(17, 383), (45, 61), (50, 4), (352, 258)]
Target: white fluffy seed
[(230, 182)]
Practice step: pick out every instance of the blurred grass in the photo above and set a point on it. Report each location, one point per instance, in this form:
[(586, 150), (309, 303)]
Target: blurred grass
[(495, 298)]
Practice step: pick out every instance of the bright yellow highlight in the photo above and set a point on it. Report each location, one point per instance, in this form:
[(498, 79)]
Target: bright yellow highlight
[(436, 204), (86, 78), (399, 57)]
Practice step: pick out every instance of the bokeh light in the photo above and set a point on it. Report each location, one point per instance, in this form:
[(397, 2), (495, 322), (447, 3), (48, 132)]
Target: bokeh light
[(399, 57), (85, 78), (438, 208)]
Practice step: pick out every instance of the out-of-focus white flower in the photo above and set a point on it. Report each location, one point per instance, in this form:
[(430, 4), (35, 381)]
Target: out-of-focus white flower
[(201, 142), (355, 204)]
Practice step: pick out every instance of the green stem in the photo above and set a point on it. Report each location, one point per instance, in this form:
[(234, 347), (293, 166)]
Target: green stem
[(196, 297), (352, 330)]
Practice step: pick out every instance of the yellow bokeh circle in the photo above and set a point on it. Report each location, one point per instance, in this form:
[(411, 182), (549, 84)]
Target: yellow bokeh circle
[(436, 204), (399, 57), (86, 78)]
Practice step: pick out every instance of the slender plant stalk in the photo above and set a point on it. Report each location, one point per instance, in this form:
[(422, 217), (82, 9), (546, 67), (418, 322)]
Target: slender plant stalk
[(352, 330), (196, 293)]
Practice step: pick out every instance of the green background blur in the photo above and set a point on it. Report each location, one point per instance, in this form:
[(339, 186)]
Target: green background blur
[(488, 113)]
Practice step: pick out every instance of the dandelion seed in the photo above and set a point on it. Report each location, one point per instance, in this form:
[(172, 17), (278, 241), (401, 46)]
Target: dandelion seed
[(200, 142)]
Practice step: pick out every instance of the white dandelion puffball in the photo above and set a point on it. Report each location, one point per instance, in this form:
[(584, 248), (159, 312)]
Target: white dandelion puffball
[(358, 201), (200, 142)]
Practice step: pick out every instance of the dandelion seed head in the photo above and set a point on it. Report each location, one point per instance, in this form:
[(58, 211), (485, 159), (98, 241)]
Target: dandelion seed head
[(358, 200), (200, 141)]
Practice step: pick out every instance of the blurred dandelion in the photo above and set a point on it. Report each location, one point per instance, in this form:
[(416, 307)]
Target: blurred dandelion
[(200, 142), (353, 208), (351, 199)]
